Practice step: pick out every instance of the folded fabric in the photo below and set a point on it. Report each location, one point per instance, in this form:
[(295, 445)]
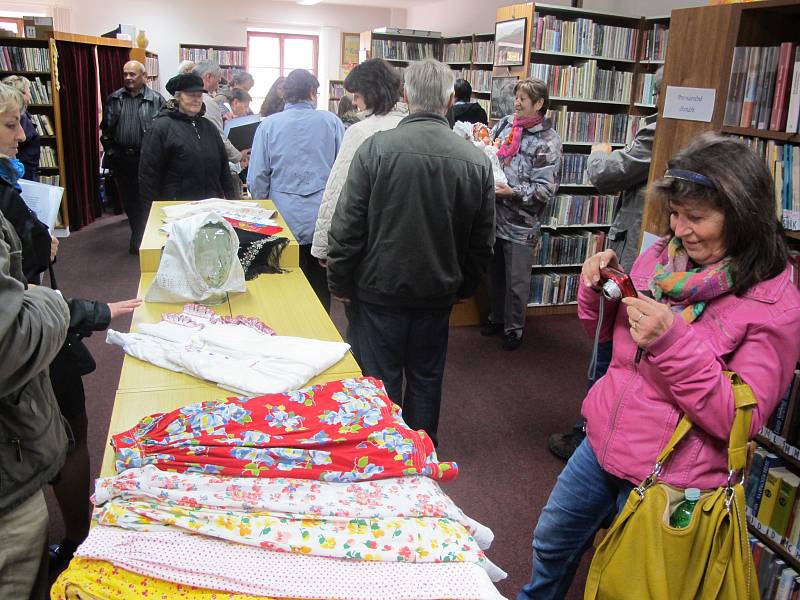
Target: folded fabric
[(383, 498), (424, 540), (207, 563), (249, 212), (346, 430), (229, 352), (87, 579)]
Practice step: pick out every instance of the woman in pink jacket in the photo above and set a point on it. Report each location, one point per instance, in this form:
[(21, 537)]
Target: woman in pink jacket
[(722, 300)]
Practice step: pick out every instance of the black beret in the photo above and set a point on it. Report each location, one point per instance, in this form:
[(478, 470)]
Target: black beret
[(185, 82)]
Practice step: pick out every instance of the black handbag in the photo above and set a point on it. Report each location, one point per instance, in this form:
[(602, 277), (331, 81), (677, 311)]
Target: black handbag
[(73, 354)]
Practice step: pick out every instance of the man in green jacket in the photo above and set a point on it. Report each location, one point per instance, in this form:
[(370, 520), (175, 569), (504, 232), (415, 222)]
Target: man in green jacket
[(33, 442), (412, 235)]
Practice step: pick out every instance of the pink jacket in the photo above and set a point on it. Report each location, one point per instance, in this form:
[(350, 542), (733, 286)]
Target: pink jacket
[(633, 410)]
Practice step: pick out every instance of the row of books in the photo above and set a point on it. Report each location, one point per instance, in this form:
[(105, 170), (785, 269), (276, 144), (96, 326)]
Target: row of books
[(654, 43), (41, 93), (776, 580), (591, 127), (336, 91), (565, 209), (585, 82), (783, 161), (573, 169), (646, 89), (401, 50), (460, 52), (17, 58), (554, 288), (567, 249), (151, 66), (483, 52), (42, 124), (583, 36), (50, 179), (47, 158), (785, 420), (481, 81), (764, 88), (221, 57)]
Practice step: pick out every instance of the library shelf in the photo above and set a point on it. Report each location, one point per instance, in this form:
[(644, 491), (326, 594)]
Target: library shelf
[(483, 64), (795, 235), (459, 62), (580, 12), (779, 549), (651, 62), (574, 185), (47, 137), (644, 105), (567, 266), (582, 56), (778, 449), (40, 106), (780, 136), (589, 101), (613, 145), (482, 92), (43, 168), (19, 72)]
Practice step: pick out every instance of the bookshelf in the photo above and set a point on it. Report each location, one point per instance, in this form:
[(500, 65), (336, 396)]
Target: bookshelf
[(336, 92), (400, 46), (150, 62), (652, 53), (35, 59), (472, 58), (229, 58)]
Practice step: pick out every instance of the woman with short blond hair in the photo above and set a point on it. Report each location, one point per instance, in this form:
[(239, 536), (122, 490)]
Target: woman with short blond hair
[(28, 152)]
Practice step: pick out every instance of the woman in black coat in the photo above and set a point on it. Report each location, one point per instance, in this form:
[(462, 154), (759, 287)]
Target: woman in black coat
[(182, 155)]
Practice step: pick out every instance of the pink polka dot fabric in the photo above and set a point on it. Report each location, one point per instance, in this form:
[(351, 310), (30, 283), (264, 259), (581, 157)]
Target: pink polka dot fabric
[(204, 562)]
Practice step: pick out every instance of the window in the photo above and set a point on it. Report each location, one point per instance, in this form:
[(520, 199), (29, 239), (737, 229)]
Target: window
[(11, 24), (273, 55)]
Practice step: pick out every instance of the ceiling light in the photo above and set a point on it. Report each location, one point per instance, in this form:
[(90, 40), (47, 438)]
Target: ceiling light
[(308, 2)]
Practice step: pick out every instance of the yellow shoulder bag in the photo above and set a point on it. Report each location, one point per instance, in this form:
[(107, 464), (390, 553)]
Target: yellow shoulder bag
[(643, 558)]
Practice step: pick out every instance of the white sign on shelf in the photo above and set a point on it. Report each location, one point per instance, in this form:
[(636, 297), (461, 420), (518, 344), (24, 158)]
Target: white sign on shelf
[(689, 104)]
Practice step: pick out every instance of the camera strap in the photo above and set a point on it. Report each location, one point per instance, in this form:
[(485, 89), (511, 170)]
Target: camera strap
[(593, 362)]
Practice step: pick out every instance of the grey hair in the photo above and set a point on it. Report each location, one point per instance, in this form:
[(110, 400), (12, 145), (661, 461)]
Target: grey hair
[(428, 86), (19, 82), (10, 98), (207, 67), (658, 80), (186, 66)]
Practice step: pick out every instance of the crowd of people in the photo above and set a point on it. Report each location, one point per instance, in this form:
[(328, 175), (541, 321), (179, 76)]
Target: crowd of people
[(399, 219)]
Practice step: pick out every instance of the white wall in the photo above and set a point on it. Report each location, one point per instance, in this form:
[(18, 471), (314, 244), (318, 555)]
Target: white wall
[(651, 8), (169, 23)]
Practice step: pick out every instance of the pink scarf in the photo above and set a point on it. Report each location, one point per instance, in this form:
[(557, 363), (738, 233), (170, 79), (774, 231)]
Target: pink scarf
[(510, 146)]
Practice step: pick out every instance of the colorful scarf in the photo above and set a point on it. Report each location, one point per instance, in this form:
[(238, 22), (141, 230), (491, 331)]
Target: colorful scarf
[(510, 146), (686, 288), (11, 170)]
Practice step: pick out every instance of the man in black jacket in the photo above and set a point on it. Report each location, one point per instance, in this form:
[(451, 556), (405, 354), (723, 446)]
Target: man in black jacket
[(127, 115), (411, 235)]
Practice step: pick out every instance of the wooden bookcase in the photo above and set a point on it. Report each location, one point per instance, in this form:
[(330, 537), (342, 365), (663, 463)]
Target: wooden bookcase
[(470, 66), (336, 92), (150, 62), (390, 45), (47, 74), (229, 58)]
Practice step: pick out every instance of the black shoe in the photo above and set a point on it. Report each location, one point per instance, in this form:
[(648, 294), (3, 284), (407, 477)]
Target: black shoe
[(61, 554), (491, 328), (563, 445), (511, 341), (133, 250)]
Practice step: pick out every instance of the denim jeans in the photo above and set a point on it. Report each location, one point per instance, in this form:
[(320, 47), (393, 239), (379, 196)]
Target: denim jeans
[(584, 500), (404, 345)]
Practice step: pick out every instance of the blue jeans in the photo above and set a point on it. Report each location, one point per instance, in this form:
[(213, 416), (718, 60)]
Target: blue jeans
[(584, 500)]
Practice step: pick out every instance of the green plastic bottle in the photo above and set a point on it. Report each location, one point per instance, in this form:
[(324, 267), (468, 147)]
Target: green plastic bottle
[(682, 515)]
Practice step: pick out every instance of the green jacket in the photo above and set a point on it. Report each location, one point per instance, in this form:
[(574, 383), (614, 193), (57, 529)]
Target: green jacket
[(33, 325), (414, 226)]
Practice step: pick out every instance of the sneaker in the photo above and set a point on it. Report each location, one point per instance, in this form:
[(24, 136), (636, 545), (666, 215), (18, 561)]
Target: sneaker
[(491, 328), (511, 341), (563, 445), (61, 554)]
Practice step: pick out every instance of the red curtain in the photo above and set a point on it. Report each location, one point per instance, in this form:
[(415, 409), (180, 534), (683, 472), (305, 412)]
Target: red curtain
[(77, 73), (110, 61)]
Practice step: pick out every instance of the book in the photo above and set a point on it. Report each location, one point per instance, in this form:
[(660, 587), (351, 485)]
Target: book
[(784, 504), (736, 84), (782, 86), (751, 89), (754, 475), (767, 88), (242, 130), (785, 584), (769, 496), (42, 199), (793, 112)]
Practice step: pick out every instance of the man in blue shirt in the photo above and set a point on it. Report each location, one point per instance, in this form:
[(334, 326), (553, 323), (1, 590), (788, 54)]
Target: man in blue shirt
[(293, 152)]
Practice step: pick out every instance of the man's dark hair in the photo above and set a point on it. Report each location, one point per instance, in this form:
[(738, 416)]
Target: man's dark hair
[(463, 90), (241, 96), (299, 85), (377, 82), (743, 191)]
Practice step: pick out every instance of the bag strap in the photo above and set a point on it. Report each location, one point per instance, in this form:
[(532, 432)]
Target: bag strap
[(744, 400)]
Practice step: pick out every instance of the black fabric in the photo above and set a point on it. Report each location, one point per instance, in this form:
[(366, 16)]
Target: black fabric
[(29, 151), (259, 253), (126, 178), (183, 158), (404, 343), (33, 234), (471, 112), (129, 134), (151, 103)]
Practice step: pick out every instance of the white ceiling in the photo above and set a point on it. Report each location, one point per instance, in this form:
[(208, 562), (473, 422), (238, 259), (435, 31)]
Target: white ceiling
[(380, 3)]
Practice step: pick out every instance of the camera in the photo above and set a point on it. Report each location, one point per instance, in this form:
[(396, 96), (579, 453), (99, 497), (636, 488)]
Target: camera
[(616, 284)]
